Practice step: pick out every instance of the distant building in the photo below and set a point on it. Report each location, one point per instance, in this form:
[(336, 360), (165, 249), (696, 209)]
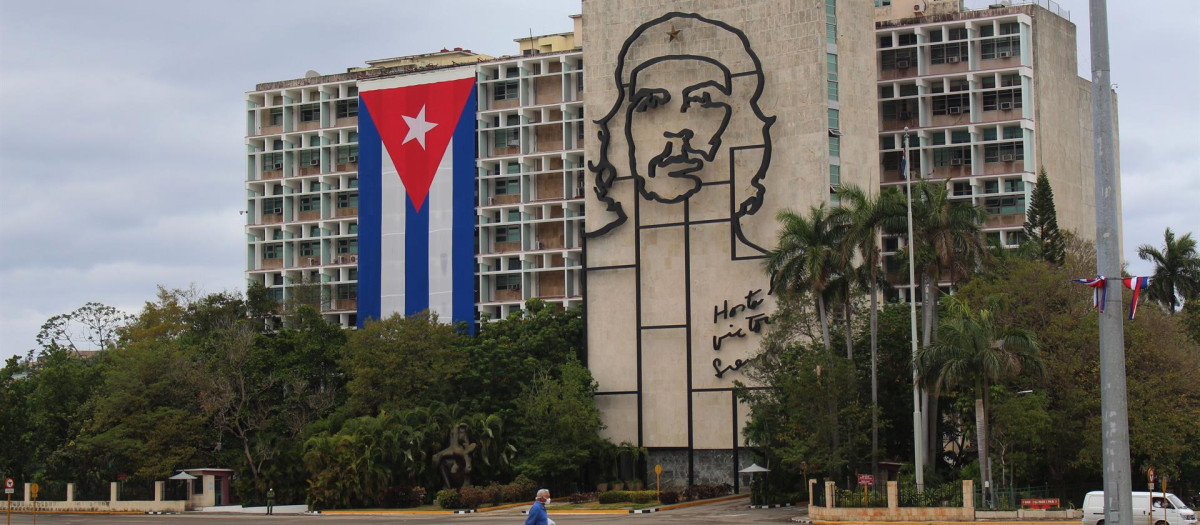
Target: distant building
[(990, 96)]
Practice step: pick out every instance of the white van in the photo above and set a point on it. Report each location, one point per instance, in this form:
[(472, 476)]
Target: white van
[(1168, 511)]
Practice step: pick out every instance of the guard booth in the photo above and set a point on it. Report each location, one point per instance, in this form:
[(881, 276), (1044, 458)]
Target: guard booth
[(208, 487)]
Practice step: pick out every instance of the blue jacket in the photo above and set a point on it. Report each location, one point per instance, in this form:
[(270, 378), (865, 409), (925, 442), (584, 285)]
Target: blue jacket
[(537, 514)]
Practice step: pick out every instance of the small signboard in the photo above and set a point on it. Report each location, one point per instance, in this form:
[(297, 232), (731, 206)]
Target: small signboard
[(866, 479), (1039, 503), (33, 490), (9, 485)]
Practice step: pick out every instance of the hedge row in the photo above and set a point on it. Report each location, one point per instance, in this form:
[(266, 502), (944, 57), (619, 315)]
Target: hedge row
[(520, 490), (627, 496)]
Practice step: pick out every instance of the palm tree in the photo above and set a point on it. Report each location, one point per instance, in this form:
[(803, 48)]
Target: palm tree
[(948, 245), (865, 216), (806, 257), (1176, 270), (973, 350)]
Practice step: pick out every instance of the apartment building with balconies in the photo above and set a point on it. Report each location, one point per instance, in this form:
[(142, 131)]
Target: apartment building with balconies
[(302, 179), (990, 97)]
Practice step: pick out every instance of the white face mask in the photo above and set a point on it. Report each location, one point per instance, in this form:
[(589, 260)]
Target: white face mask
[(547, 501)]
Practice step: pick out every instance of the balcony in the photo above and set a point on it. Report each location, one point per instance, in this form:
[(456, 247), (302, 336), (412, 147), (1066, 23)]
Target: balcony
[(271, 264), (346, 212)]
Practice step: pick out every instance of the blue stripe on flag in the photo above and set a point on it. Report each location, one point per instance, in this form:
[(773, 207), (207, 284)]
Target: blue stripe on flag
[(416, 257), (463, 252), (370, 215)]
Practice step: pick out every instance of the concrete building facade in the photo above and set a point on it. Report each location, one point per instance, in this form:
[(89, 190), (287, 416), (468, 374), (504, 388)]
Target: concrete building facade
[(709, 118)]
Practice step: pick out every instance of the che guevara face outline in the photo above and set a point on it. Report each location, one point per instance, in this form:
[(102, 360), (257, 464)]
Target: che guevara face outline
[(680, 127)]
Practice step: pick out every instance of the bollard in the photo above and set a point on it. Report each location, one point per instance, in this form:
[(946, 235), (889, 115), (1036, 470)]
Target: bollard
[(829, 494), (28, 492), (158, 490), (969, 495), (70, 492), (114, 492), (893, 495)]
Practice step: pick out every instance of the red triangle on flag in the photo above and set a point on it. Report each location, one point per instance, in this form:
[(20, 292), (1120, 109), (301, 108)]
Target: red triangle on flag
[(416, 124)]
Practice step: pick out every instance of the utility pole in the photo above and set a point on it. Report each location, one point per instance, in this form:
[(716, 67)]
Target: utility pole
[(1114, 408), (918, 421)]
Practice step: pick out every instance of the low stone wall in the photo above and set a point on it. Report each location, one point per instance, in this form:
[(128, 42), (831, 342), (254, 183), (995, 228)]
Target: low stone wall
[(1032, 514), (888, 514), (100, 506)]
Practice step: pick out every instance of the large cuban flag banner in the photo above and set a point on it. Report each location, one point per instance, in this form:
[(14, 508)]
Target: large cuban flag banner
[(416, 232)]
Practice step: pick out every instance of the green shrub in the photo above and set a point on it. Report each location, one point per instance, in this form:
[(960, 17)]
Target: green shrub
[(613, 496), (495, 493), (403, 496), (643, 496), (581, 497), (669, 497), (449, 499), (520, 490)]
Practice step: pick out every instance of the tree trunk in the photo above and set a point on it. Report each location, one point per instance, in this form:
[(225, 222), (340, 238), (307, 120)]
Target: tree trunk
[(824, 321), (874, 378), (849, 329), (981, 438)]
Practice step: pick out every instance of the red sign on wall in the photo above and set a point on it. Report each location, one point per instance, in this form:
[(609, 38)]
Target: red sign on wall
[(866, 479)]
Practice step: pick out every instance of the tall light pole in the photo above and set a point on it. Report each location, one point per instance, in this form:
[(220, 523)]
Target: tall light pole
[(1114, 408), (918, 423)]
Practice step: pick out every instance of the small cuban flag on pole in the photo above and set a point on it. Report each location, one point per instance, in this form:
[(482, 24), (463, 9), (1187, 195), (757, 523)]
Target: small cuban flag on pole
[(1137, 284)]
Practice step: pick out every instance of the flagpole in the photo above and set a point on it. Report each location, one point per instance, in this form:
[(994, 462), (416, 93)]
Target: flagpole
[(918, 424)]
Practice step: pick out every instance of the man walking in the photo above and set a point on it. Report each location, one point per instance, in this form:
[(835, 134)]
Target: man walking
[(537, 513), (270, 501)]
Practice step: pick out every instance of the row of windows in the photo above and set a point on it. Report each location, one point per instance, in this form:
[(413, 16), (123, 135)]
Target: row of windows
[(312, 112), (952, 34), (345, 155), (274, 205), (344, 246), (315, 231), (314, 141), (958, 156), (1000, 47)]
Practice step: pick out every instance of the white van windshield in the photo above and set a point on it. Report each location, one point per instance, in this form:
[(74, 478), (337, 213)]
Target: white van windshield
[(1176, 502)]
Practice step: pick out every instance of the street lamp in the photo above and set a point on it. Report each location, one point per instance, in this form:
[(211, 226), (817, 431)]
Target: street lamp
[(918, 423)]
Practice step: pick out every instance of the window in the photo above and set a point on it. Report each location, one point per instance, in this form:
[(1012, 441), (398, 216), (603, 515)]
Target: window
[(951, 157), (952, 53), (312, 203), (1004, 100), (958, 33), (989, 82), (989, 134), (347, 291), (887, 92), (834, 119), (508, 187), (352, 275), (907, 40), (835, 175), (310, 249), (273, 251), (347, 246), (277, 280), (315, 231), (273, 206), (935, 35), (352, 136), (898, 59), (832, 88), (1013, 185), (506, 90), (347, 154), (885, 41), (352, 182), (960, 137), (1015, 237), (938, 138), (310, 157), (310, 113), (1004, 205), (959, 84), (831, 65), (353, 229), (952, 104), (314, 141), (508, 234), (513, 216), (1013, 80), (1000, 47), (272, 161), (352, 91), (508, 138), (277, 235), (899, 110), (347, 108), (1010, 28), (835, 147), (1013, 132), (991, 186), (987, 30), (888, 142), (347, 200), (962, 189), (276, 117), (508, 282), (831, 21), (908, 90), (1004, 152)]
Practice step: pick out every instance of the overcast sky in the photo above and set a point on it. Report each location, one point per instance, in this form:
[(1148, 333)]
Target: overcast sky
[(121, 130)]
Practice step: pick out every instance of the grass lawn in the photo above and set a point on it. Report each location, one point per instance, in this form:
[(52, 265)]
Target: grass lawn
[(592, 505)]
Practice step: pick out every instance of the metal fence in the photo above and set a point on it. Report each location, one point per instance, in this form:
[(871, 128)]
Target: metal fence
[(1050, 5), (1009, 498)]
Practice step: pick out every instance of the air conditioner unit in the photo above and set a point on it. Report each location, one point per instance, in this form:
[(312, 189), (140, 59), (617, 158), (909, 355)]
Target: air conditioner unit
[(1005, 54), (901, 64), (954, 111), (277, 211), (314, 162), (352, 158), (956, 162), (1008, 158), (277, 166), (353, 259), (1005, 106), (952, 60)]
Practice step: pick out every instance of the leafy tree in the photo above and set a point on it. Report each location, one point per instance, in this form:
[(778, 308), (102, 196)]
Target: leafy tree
[(1041, 223), (806, 257), (1176, 270), (865, 216), (559, 424), (95, 323), (400, 363), (973, 349)]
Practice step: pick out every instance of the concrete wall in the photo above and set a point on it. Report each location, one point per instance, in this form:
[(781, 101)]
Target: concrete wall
[(652, 291), (100, 506)]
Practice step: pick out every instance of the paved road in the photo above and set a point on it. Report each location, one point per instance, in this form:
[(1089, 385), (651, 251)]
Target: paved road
[(734, 512)]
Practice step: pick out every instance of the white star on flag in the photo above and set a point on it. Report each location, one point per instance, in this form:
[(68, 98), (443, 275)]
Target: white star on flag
[(417, 128)]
